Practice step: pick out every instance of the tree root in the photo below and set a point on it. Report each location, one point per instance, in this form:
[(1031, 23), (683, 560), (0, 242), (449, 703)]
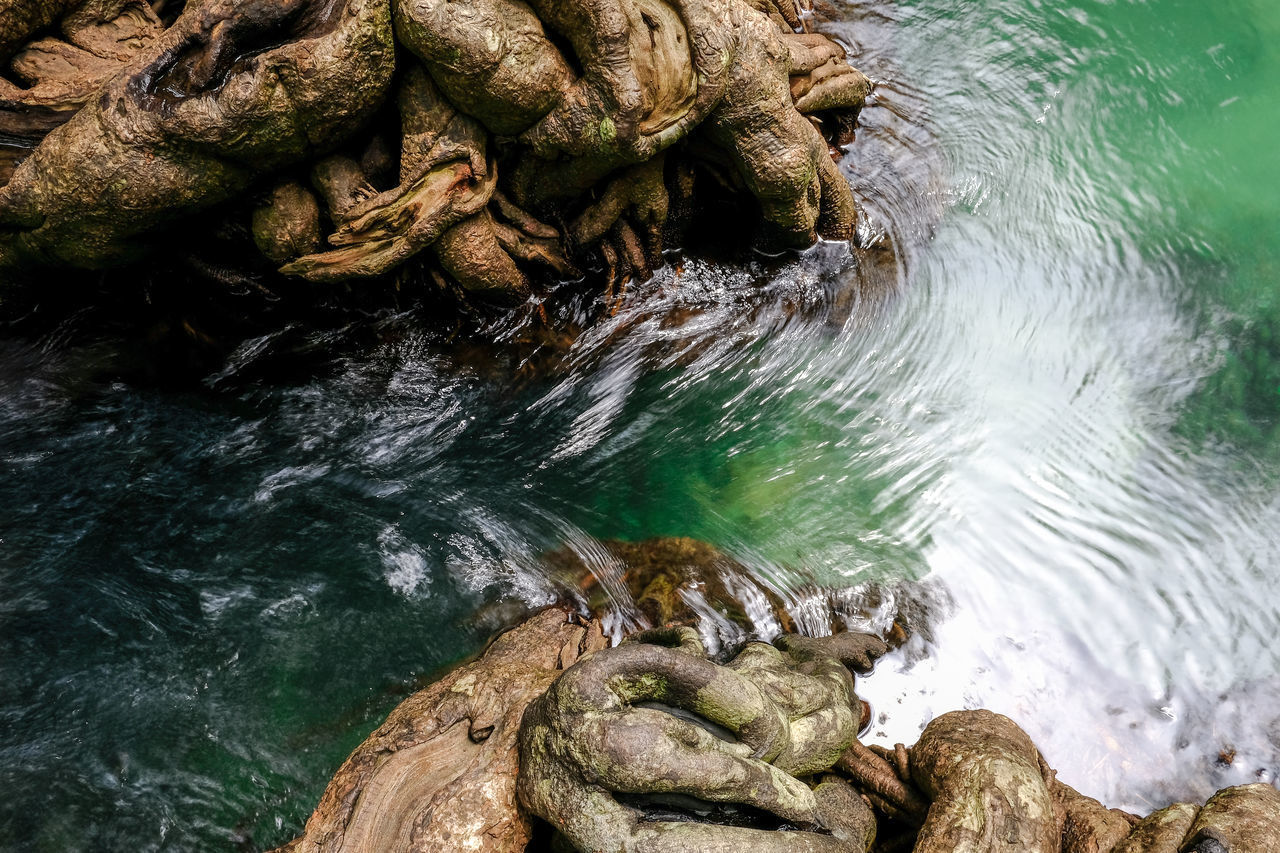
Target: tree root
[(989, 789), (655, 719), (440, 773), (100, 187), (889, 789), (534, 140), (650, 746)]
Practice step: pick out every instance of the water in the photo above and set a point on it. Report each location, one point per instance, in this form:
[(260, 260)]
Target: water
[(1063, 421)]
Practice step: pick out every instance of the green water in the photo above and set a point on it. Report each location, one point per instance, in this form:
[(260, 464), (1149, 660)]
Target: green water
[(1065, 419)]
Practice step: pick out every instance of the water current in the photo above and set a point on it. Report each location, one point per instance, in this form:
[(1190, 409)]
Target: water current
[(1059, 413)]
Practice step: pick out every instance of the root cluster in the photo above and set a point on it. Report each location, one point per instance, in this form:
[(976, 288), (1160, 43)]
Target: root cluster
[(651, 746), (492, 142)]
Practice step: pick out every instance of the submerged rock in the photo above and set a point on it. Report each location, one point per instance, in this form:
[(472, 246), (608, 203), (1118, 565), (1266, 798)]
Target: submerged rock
[(679, 581)]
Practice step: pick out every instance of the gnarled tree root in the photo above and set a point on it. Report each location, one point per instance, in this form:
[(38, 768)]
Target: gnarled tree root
[(988, 789), (633, 734), (534, 139), (440, 773), (650, 746), (229, 93)]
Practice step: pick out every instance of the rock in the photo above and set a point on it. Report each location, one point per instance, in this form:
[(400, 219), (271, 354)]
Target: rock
[(662, 575)]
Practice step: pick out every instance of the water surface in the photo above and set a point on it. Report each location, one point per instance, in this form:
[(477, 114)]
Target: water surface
[(1063, 421)]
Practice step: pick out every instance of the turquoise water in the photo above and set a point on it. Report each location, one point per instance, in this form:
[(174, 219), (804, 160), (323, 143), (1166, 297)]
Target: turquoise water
[(1064, 419)]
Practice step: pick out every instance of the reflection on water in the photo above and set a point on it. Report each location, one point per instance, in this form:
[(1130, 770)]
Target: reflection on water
[(1052, 402)]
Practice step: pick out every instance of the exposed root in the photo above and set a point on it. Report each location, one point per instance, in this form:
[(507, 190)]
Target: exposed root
[(654, 718), (586, 108), (651, 746), (472, 254), (440, 773), (392, 227), (890, 792), (135, 160)]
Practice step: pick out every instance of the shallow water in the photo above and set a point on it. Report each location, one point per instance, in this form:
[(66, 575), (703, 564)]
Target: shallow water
[(1063, 421)]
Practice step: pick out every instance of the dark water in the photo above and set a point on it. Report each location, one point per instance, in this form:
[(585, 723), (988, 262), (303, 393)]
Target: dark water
[(1065, 420)]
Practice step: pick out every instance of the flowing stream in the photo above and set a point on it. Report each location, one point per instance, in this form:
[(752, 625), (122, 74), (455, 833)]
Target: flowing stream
[(1060, 415)]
